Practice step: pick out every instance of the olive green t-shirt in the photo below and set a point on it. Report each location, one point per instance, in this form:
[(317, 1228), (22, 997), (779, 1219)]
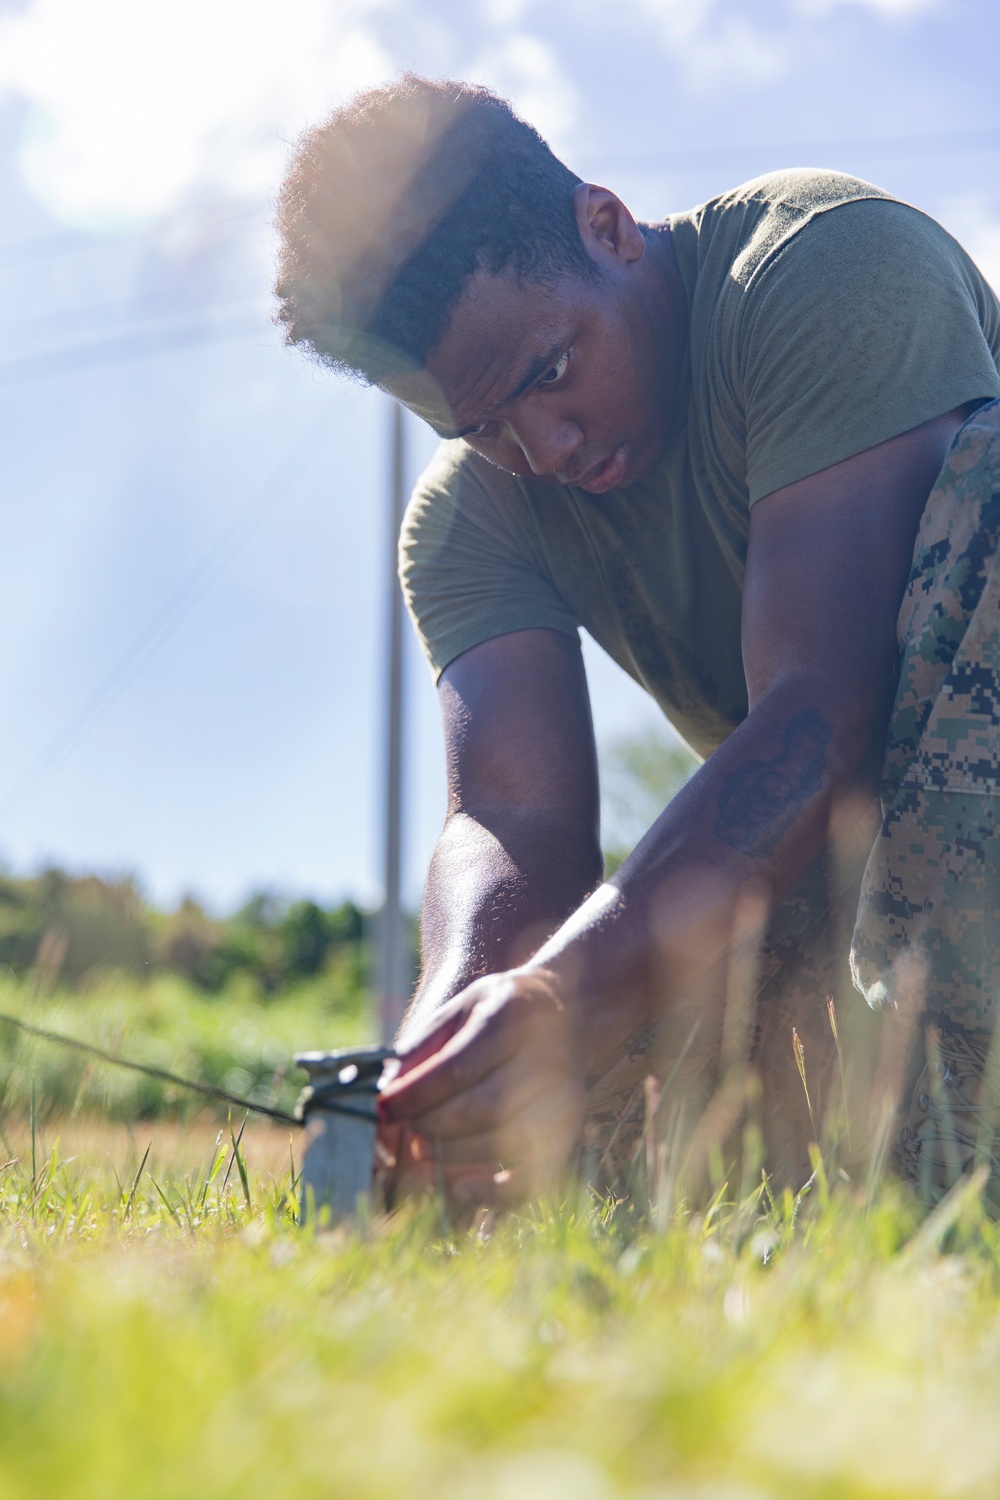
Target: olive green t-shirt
[(823, 317)]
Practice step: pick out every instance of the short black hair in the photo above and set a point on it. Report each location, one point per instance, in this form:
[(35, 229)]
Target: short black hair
[(393, 203)]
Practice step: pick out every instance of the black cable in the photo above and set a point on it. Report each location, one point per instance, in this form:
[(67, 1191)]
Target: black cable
[(161, 1074)]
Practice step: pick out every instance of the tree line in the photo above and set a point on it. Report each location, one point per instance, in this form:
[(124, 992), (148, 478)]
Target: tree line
[(67, 929)]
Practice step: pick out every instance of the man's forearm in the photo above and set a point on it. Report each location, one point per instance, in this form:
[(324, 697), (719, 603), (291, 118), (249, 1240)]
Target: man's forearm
[(654, 941), (499, 884)]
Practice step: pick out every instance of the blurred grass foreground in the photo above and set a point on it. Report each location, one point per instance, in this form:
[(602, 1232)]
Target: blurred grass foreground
[(166, 1331)]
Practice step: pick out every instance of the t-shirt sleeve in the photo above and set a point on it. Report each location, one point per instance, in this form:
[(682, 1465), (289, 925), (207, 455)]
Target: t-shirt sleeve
[(467, 576), (867, 321)]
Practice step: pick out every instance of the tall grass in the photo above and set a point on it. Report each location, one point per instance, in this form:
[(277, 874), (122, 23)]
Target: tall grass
[(168, 1334)]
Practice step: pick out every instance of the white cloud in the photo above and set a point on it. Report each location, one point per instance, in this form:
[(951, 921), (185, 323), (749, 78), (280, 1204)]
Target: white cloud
[(984, 247), (133, 104), (975, 223), (714, 42), (735, 48), (723, 41), (893, 10), (526, 71), (505, 12)]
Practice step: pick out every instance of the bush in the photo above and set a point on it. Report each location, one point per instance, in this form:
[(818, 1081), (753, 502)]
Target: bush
[(64, 929)]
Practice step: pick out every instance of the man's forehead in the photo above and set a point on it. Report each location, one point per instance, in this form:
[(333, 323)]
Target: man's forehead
[(500, 339), (421, 393)]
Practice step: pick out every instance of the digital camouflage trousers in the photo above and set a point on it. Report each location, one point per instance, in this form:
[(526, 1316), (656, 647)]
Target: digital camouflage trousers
[(931, 892), (922, 901)]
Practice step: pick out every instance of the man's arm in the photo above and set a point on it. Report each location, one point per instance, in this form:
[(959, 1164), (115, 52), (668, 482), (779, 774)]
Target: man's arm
[(520, 847), (827, 565)]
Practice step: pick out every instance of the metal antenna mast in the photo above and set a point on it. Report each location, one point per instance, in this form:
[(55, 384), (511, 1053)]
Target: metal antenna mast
[(393, 965)]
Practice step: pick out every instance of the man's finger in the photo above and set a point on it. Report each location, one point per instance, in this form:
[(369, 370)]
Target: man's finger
[(411, 1055), (491, 1105), (484, 1043)]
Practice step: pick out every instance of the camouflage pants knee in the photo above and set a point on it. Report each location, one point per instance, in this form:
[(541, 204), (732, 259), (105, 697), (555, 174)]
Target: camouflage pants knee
[(930, 897)]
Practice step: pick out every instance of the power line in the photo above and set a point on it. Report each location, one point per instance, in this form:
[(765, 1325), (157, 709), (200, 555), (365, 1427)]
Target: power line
[(887, 147), (159, 630), (73, 242), (94, 353), (160, 305)]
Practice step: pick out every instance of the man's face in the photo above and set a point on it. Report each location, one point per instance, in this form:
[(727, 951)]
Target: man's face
[(572, 382)]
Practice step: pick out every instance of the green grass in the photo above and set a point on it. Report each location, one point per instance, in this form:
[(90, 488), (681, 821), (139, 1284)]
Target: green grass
[(177, 1335), (167, 1331), (239, 1040)]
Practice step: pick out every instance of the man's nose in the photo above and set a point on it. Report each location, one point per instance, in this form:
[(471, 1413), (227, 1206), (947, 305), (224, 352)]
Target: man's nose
[(548, 443)]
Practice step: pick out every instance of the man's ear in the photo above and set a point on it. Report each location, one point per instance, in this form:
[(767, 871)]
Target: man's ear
[(605, 224)]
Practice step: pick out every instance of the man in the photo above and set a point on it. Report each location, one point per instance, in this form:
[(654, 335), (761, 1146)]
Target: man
[(717, 443)]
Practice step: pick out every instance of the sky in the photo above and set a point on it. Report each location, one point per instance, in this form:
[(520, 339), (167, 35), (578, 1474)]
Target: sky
[(194, 533)]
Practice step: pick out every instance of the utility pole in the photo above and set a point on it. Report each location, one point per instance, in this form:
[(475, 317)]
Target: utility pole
[(393, 969)]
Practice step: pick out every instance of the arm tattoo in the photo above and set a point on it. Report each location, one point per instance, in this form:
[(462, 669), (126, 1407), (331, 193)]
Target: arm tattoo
[(761, 801)]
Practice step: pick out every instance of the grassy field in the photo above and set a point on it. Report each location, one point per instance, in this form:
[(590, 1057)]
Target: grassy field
[(167, 1331)]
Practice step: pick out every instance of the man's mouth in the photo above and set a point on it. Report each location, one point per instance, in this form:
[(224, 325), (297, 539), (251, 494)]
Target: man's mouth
[(609, 474)]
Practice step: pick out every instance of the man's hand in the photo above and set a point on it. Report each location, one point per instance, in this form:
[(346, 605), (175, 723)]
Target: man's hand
[(494, 1087)]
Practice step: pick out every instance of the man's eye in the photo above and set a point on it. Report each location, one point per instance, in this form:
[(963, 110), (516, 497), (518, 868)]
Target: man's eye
[(558, 370)]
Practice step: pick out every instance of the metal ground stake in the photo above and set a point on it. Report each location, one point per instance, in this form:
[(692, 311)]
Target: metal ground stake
[(337, 1109)]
